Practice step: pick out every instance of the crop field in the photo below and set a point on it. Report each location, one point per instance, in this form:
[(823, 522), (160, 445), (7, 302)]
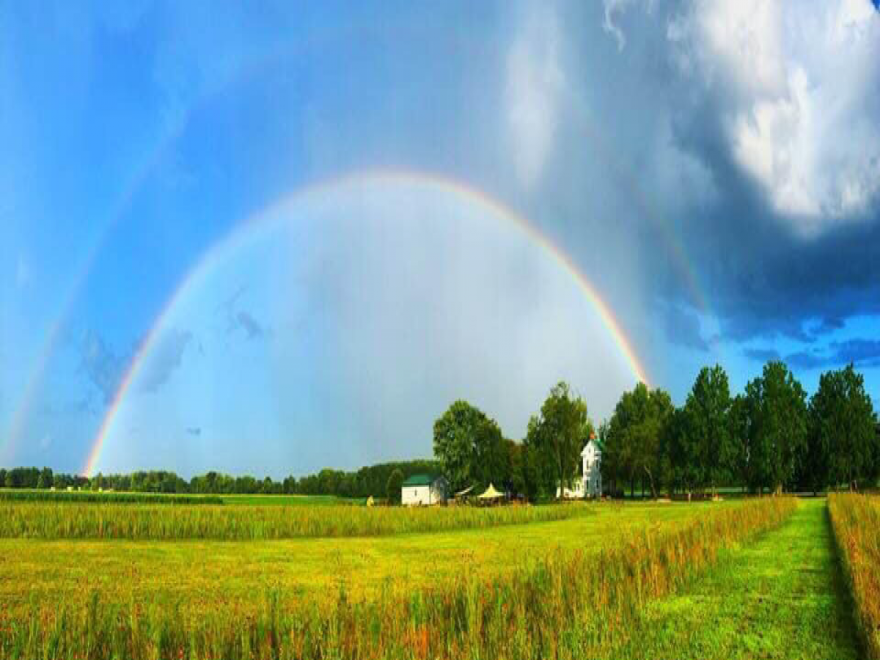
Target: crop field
[(564, 580), (75, 520), (93, 497), (289, 500)]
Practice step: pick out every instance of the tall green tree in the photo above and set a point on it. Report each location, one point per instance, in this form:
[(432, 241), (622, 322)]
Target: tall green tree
[(682, 452), (469, 446), (707, 426), (634, 436), (393, 486), (844, 423), (555, 439), (46, 479), (780, 430), (740, 436)]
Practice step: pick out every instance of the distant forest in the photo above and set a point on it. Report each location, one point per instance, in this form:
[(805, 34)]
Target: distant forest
[(369, 480)]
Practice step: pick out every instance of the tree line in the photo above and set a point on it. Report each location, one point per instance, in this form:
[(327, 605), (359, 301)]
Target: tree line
[(768, 438), (473, 452), (367, 481)]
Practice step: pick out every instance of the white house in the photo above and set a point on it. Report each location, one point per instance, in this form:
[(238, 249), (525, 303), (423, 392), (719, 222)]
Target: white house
[(423, 489), (590, 482), (592, 462)]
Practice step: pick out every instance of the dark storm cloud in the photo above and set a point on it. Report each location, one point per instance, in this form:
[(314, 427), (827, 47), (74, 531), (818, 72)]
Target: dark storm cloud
[(828, 325), (807, 360), (761, 354), (859, 352), (683, 328), (772, 256)]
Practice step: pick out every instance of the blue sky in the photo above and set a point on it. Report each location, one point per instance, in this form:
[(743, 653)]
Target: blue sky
[(713, 170)]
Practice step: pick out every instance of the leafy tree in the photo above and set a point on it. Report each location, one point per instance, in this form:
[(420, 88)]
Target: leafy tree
[(469, 446), (515, 481), (393, 486), (707, 427), (490, 461), (46, 479), (634, 435), (780, 431), (556, 438), (844, 424), (746, 457), (683, 452)]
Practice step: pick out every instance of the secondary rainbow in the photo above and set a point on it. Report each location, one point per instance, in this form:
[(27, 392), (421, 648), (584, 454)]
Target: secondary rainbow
[(435, 182)]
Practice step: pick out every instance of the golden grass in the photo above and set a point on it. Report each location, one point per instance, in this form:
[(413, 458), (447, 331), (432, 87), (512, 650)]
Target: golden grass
[(38, 520), (568, 604), (855, 520)]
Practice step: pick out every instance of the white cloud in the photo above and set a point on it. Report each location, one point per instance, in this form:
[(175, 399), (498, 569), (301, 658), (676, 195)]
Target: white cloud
[(800, 83), (535, 81), (613, 7)]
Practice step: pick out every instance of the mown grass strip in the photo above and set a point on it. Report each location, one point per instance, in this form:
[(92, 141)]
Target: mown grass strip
[(162, 523), (855, 520), (779, 596), (571, 605)]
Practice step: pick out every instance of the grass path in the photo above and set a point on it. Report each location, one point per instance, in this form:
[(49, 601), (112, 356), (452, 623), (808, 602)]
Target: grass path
[(780, 597)]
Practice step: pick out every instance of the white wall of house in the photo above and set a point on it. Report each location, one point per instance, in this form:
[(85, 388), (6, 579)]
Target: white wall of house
[(590, 482), (592, 462), (423, 495)]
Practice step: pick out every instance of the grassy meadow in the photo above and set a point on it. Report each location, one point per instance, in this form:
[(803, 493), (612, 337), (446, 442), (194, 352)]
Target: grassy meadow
[(534, 588), (106, 497), (856, 523), (782, 596), (290, 500), (75, 520)]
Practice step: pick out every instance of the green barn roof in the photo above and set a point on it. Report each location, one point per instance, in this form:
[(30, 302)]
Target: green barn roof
[(420, 480)]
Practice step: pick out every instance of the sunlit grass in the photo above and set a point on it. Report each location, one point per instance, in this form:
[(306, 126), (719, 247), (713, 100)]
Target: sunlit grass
[(105, 497), (856, 523), (159, 522), (557, 588)]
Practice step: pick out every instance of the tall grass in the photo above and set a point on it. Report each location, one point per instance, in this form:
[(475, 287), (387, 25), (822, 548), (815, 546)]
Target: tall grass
[(572, 605), (105, 497), (154, 522), (855, 520)]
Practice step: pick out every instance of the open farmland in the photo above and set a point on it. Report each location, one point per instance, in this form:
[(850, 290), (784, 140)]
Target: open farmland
[(74, 520), (203, 598)]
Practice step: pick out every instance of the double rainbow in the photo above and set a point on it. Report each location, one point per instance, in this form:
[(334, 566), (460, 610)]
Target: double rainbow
[(269, 218)]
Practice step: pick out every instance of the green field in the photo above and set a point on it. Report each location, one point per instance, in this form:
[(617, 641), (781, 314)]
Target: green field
[(199, 573), (289, 500), (781, 597), (740, 579)]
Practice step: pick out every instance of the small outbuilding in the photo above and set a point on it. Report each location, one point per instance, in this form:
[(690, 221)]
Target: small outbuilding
[(423, 489)]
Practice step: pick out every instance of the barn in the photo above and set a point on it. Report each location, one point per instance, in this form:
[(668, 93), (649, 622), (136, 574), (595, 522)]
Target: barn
[(423, 489)]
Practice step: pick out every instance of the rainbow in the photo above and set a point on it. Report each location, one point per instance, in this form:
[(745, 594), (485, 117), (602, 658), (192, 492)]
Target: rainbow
[(435, 182)]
